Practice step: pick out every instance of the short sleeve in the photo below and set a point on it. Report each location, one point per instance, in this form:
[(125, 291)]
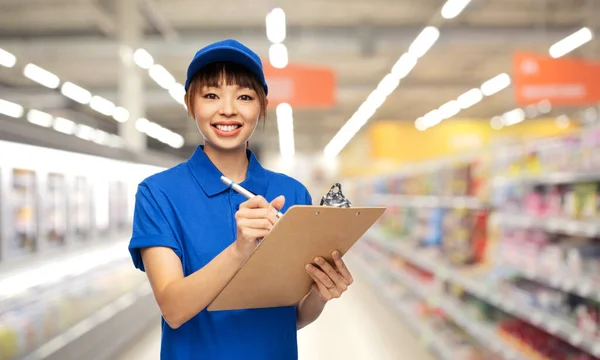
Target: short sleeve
[(150, 227), (307, 198)]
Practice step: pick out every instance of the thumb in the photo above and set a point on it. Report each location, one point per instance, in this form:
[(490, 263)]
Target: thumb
[(278, 202)]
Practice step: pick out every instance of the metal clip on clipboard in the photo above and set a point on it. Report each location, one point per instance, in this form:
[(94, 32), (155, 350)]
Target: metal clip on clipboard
[(335, 197)]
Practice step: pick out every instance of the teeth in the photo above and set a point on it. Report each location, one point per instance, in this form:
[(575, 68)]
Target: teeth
[(227, 127)]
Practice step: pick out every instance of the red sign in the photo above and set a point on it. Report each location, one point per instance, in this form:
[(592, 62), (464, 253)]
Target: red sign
[(562, 81), (301, 86)]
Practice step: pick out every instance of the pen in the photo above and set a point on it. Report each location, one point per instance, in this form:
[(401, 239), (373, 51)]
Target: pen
[(241, 190)]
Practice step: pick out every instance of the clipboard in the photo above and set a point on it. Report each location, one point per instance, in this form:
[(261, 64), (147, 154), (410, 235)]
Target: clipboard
[(274, 274)]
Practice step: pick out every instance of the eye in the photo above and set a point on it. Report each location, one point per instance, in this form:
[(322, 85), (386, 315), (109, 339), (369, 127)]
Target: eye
[(246, 98), (210, 96)]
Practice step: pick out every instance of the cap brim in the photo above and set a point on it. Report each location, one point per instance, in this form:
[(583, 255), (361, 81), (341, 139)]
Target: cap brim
[(223, 54)]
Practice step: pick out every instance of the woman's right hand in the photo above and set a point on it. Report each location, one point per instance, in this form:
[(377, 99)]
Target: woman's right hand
[(254, 220)]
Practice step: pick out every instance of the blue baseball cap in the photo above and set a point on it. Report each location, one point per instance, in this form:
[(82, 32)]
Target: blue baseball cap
[(227, 51)]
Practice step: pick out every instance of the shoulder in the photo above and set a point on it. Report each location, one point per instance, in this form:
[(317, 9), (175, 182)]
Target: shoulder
[(163, 180)]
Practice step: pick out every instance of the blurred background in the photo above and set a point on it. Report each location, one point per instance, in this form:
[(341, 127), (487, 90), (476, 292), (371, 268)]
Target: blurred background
[(474, 122)]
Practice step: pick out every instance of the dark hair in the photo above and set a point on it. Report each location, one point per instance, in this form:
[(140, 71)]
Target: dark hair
[(213, 74)]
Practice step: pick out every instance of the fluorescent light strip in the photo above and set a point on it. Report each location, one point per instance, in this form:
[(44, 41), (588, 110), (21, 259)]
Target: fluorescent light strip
[(64, 126), (159, 133), (11, 109), (278, 56), (418, 48), (40, 118), (143, 59), (285, 126), (276, 27), (41, 76), (464, 101), (76, 93), (161, 76), (571, 42), (7, 59), (453, 8), (103, 106)]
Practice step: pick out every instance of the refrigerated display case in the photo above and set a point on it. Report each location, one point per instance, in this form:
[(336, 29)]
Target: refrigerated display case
[(24, 237), (81, 209), (56, 210)]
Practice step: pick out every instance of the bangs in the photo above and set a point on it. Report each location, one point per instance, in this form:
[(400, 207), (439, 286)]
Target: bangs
[(226, 74)]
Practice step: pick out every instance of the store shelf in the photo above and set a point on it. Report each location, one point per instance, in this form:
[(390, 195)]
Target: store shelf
[(455, 202), (482, 332), (553, 324), (110, 328), (426, 334), (589, 228), (547, 179)]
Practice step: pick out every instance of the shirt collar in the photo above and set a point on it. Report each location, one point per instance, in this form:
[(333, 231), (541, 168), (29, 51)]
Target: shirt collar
[(209, 176)]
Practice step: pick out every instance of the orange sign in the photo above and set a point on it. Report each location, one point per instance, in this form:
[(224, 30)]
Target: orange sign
[(562, 81), (301, 86)]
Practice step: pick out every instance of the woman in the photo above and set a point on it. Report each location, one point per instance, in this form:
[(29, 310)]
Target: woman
[(191, 232)]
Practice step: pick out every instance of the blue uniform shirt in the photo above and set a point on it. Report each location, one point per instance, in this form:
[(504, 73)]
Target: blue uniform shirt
[(188, 209)]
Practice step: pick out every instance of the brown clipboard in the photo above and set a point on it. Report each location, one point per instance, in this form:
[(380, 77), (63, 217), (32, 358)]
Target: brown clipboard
[(274, 274)]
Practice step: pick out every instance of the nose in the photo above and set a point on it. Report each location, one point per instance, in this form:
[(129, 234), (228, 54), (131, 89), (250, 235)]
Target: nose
[(228, 108)]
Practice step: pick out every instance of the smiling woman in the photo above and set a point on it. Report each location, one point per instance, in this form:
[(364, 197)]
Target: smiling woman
[(191, 232)]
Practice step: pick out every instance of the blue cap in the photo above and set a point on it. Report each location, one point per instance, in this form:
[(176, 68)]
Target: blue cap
[(230, 51)]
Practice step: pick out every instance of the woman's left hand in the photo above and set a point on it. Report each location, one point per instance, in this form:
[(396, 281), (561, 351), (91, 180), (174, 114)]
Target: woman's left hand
[(331, 280)]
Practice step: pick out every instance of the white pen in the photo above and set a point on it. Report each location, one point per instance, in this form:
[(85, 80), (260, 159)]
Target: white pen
[(241, 190)]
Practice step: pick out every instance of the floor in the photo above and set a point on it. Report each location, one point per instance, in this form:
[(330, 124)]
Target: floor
[(358, 326)]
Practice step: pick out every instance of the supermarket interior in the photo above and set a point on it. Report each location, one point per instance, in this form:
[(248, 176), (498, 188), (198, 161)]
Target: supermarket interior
[(476, 123)]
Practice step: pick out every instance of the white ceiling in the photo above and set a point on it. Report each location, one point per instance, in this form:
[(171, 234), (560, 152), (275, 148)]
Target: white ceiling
[(359, 40)]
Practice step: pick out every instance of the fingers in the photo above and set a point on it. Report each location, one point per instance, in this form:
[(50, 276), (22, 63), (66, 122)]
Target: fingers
[(253, 234), (332, 274), (319, 275), (325, 293), (260, 213), (260, 223), (254, 203), (278, 202), (342, 268)]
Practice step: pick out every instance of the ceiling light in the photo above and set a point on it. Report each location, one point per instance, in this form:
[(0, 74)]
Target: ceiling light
[(544, 106), (496, 123), (41, 76), (161, 76), (76, 93), (85, 132), (142, 125), (275, 23), (7, 59), (469, 98), (432, 118), (285, 126), (513, 117), (177, 92), (424, 41), (388, 84), (11, 109), (563, 121), (420, 124), (404, 65), (143, 59), (64, 126), (120, 114), (449, 109), (278, 56), (102, 105), (571, 42), (40, 118), (453, 8), (495, 84)]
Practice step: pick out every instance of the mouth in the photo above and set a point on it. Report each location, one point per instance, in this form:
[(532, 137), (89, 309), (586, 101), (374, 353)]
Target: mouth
[(227, 128)]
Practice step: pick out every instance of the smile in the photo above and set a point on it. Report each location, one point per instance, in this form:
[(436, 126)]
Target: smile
[(227, 128)]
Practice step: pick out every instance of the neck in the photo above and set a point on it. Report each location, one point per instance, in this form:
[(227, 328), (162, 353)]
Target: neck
[(232, 163)]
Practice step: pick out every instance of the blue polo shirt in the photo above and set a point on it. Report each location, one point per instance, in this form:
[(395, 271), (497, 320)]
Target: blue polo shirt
[(188, 209)]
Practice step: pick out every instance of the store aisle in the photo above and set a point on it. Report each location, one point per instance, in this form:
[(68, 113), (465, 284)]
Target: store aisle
[(358, 327)]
